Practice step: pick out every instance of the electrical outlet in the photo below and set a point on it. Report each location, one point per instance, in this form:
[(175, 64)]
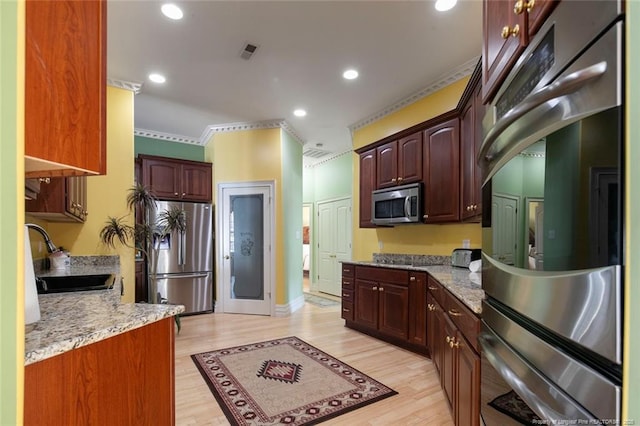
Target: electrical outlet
[(380, 245), (466, 243)]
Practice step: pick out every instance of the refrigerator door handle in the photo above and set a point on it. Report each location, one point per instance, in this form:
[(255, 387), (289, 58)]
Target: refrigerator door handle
[(176, 276), (183, 247)]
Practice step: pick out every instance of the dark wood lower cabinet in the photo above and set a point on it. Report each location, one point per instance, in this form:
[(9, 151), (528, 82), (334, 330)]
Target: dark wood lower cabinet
[(123, 380), (411, 309), (141, 293)]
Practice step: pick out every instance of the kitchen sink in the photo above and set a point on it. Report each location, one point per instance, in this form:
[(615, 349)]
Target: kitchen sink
[(68, 283)]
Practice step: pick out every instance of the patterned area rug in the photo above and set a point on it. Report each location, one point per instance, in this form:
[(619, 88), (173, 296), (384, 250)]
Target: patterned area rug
[(319, 300), (285, 381), (513, 406)]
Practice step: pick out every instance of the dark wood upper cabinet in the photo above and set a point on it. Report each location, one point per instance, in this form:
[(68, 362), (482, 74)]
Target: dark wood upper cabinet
[(173, 179), (508, 26), (367, 185), (65, 88), (470, 141), (441, 172), (61, 199), (399, 162)]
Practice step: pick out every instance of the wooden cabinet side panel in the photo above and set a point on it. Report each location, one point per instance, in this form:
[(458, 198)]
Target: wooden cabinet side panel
[(126, 379), (65, 84), (367, 185)]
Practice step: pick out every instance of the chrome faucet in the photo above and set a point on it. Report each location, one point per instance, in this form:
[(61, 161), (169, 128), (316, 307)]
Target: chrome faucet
[(50, 246)]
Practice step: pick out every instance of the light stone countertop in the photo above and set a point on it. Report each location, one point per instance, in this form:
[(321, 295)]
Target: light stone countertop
[(75, 319), (461, 282)]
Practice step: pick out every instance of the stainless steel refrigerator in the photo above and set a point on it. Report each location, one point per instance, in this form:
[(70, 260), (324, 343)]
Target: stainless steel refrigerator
[(185, 259)]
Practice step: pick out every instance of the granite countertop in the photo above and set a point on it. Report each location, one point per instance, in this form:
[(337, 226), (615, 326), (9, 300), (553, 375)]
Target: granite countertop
[(461, 282), (75, 319)]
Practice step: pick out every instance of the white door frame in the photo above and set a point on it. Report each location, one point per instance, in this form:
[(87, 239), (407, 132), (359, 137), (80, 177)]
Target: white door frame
[(270, 258)]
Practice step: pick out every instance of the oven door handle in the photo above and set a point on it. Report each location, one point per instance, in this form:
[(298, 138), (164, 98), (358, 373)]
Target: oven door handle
[(542, 396), (564, 86)]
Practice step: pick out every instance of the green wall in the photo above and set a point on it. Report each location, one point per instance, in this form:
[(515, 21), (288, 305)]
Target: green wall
[(329, 180), (150, 146), (292, 212), (10, 217), (632, 287)]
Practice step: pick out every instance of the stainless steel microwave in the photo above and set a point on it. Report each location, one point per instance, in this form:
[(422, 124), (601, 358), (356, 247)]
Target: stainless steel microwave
[(400, 204)]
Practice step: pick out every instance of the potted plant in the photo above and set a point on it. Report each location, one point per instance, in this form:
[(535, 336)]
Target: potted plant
[(145, 236)]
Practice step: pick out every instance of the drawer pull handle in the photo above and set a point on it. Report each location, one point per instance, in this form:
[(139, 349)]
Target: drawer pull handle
[(345, 310), (433, 288), (345, 295), (346, 270), (454, 313)]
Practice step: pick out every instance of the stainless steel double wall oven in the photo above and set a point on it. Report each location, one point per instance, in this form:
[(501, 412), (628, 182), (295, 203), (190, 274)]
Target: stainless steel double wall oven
[(552, 159)]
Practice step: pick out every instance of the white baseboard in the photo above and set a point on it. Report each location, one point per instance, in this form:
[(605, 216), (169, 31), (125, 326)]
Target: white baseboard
[(289, 308)]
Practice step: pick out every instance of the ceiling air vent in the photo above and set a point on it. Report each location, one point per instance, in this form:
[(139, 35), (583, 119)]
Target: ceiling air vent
[(314, 153), (248, 51)]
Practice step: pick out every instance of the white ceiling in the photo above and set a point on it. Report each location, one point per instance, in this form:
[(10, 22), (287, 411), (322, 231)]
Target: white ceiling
[(400, 48)]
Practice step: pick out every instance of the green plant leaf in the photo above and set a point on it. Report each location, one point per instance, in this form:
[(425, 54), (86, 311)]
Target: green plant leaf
[(116, 230), (174, 219), (140, 196)]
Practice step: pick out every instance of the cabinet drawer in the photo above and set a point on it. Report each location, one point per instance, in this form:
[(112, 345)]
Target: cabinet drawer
[(395, 276), (347, 310), (437, 291), (466, 321), (347, 283), (347, 270), (347, 296)]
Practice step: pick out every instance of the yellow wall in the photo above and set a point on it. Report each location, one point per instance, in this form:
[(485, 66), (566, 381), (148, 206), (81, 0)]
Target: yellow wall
[(418, 238), (247, 156), (106, 195)]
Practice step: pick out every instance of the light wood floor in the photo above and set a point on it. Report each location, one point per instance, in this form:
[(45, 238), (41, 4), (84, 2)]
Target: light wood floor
[(420, 400)]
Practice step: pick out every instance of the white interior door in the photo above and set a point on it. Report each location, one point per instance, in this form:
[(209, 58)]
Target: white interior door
[(334, 243), (245, 248), (504, 225)]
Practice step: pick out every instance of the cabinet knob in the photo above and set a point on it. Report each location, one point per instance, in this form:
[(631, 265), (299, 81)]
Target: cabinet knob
[(447, 339), (399, 179), (393, 179), (431, 307), (468, 208), (85, 213), (183, 194), (426, 216), (522, 5), (412, 278), (475, 207), (381, 289), (453, 343), (375, 288), (44, 180), (175, 193), (508, 31)]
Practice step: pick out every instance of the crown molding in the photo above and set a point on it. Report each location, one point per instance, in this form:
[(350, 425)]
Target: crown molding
[(127, 85), (211, 130), (445, 80), (325, 160)]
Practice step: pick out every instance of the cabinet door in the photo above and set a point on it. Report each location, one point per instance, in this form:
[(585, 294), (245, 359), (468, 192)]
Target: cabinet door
[(367, 185), (504, 38), (63, 199), (470, 140), (538, 13), (441, 167), (76, 199), (448, 376), (394, 310), (432, 331), (417, 310), (410, 159), (141, 294), (196, 182), (162, 177), (467, 405), (387, 165), (366, 297), (65, 88)]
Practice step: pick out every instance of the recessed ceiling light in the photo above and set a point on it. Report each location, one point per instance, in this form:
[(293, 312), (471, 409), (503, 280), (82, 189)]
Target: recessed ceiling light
[(171, 11), (157, 78), (350, 74), (444, 5), (299, 113)]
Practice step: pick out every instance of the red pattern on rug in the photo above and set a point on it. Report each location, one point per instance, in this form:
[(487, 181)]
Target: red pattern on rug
[(307, 386)]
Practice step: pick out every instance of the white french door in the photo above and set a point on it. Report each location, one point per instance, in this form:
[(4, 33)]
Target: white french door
[(244, 247), (334, 243)]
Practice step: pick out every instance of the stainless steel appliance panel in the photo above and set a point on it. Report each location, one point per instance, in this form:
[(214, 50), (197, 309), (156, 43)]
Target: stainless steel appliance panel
[(583, 306), (564, 373), (591, 84), (194, 291), (197, 247), (169, 252)]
